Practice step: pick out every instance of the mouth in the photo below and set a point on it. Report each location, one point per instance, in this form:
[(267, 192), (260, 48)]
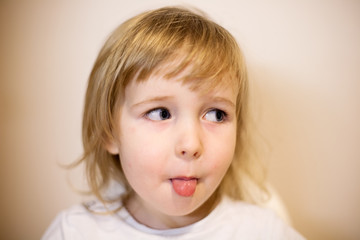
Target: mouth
[(184, 186)]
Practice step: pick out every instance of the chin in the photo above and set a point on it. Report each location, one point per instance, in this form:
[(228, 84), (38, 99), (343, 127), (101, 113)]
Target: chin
[(183, 206)]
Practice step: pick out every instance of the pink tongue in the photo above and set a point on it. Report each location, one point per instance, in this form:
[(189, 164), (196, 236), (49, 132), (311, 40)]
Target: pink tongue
[(184, 187)]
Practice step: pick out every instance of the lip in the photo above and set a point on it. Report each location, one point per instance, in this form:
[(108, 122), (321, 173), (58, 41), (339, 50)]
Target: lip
[(185, 178)]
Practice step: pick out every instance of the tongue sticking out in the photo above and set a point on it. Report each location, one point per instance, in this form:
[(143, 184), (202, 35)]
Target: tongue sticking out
[(184, 187)]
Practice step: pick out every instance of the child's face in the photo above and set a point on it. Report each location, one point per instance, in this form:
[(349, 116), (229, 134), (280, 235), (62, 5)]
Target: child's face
[(175, 146)]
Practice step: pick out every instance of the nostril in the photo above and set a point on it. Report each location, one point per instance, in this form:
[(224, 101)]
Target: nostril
[(185, 153)]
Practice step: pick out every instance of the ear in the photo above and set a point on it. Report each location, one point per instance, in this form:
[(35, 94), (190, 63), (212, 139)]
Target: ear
[(112, 147)]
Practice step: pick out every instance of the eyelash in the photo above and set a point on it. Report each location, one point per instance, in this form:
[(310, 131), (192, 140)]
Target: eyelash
[(161, 110)]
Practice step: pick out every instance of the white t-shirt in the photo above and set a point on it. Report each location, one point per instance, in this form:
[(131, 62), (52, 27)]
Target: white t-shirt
[(229, 220)]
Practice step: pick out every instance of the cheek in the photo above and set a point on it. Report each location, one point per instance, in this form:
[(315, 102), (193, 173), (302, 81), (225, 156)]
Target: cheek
[(141, 153), (223, 152), (221, 163), (138, 166)]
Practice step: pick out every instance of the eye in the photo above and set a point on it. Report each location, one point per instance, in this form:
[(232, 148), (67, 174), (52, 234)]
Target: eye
[(215, 115), (158, 114)]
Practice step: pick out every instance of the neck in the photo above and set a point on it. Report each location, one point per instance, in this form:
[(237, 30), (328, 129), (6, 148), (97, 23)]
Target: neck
[(157, 220)]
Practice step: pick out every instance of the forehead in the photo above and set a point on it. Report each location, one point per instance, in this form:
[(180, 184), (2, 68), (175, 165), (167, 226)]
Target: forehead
[(159, 87)]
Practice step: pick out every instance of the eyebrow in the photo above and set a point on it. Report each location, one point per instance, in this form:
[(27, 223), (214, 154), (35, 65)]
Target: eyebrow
[(223, 100), (151, 100), (164, 98)]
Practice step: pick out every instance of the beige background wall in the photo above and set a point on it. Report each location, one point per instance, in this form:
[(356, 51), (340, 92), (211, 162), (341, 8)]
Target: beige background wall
[(304, 61)]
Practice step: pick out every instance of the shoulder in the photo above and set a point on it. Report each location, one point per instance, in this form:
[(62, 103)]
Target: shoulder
[(82, 221), (253, 220)]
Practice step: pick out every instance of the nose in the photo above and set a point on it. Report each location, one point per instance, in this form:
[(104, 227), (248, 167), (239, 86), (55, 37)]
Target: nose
[(189, 144)]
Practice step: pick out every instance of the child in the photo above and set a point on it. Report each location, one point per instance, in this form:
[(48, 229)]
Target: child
[(165, 116)]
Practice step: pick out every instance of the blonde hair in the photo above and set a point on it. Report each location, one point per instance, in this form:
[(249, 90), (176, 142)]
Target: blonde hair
[(140, 47)]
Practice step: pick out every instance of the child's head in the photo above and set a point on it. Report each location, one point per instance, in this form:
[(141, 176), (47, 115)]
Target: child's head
[(149, 57)]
